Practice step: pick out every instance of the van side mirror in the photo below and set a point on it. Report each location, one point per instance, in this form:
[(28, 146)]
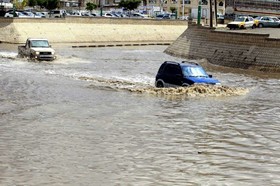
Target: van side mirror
[(210, 75)]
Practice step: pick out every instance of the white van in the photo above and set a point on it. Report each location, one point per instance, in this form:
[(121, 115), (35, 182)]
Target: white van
[(57, 13)]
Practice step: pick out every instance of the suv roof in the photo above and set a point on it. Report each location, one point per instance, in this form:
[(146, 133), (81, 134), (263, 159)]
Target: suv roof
[(183, 63)]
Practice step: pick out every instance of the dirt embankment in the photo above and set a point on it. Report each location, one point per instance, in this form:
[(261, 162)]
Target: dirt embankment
[(91, 30)]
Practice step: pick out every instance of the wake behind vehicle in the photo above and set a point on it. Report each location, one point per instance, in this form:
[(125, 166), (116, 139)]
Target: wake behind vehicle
[(243, 22), (37, 49), (173, 74)]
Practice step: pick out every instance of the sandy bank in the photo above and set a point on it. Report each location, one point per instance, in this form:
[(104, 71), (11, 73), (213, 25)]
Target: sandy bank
[(90, 30)]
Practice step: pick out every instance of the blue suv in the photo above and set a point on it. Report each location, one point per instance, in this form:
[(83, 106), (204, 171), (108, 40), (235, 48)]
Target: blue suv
[(172, 74)]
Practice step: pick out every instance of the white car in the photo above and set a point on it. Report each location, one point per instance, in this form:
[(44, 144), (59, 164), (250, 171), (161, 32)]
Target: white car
[(17, 14), (57, 13), (138, 15), (39, 15), (242, 22), (31, 15), (109, 15)]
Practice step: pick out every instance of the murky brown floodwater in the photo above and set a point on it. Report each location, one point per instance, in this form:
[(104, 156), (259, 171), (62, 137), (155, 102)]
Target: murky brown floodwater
[(93, 117)]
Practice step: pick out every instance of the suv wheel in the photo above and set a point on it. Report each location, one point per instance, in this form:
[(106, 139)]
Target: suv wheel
[(159, 84)]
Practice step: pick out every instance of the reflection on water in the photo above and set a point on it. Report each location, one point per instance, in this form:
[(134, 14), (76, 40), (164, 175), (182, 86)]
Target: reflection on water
[(92, 118)]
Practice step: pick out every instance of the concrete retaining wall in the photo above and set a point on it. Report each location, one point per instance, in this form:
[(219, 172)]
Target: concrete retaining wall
[(238, 50), (90, 30)]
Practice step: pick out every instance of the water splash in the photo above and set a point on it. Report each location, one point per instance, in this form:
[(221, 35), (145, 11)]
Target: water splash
[(199, 90), (195, 91), (8, 55)]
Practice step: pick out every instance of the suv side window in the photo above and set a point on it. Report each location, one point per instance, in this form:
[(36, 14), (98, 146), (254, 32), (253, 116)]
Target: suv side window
[(160, 71), (172, 69)]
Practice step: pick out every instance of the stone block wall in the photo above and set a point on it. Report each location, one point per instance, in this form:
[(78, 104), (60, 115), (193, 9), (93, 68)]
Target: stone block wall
[(237, 50)]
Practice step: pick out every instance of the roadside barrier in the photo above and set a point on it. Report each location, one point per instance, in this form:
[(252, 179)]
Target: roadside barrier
[(119, 45)]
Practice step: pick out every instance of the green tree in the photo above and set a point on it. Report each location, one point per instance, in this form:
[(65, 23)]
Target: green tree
[(129, 4), (90, 6), (41, 3), (204, 2), (32, 3), (51, 4), (20, 4), (173, 9)]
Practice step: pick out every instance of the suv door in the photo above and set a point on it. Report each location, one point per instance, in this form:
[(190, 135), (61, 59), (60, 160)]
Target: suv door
[(173, 74)]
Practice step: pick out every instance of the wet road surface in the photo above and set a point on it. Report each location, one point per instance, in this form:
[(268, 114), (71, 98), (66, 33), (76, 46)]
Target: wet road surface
[(93, 117)]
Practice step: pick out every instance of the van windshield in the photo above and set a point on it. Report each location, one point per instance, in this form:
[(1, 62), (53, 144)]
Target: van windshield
[(194, 72), (240, 19), (39, 43)]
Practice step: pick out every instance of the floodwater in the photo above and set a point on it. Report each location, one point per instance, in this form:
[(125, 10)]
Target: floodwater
[(93, 117)]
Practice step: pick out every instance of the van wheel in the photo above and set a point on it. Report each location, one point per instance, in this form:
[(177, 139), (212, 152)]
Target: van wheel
[(31, 56), (260, 25), (159, 84), (254, 26)]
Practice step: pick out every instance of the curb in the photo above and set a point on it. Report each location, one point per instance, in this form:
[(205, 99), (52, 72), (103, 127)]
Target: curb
[(118, 45)]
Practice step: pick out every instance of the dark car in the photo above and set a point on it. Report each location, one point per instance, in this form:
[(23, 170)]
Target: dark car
[(172, 74), (163, 16)]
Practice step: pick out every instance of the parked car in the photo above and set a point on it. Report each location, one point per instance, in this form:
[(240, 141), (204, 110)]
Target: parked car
[(138, 15), (77, 13), (268, 21), (31, 14), (163, 16), (88, 14), (39, 15), (45, 14), (243, 22), (109, 15), (172, 74), (10, 13), (186, 17), (57, 13), (118, 14), (220, 18)]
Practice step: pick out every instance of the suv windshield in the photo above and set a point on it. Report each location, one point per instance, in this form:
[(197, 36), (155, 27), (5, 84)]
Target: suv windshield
[(39, 43), (194, 72)]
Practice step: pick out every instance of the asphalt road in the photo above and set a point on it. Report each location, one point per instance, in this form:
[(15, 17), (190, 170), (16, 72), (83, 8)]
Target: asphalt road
[(273, 32)]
